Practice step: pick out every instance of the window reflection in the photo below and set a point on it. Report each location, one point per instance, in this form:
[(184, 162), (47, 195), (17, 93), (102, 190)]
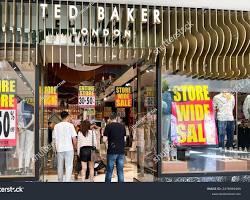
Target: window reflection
[(203, 125), (17, 120)]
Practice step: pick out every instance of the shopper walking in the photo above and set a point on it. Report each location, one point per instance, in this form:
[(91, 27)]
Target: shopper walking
[(65, 140), (86, 143), (115, 133)]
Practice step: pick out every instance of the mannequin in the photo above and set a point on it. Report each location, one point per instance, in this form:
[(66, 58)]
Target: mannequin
[(26, 135), (166, 115), (246, 107), (223, 106)]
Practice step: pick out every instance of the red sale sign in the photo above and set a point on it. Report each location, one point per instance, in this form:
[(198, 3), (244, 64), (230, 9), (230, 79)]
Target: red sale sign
[(123, 97), (195, 123), (8, 113), (193, 118)]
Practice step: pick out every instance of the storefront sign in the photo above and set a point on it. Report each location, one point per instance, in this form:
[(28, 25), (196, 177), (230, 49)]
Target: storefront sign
[(149, 97), (123, 97), (107, 111), (73, 13), (8, 113), (86, 96), (194, 120), (115, 15), (48, 96)]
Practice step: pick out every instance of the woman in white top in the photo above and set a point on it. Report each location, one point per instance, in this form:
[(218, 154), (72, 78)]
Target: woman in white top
[(86, 143)]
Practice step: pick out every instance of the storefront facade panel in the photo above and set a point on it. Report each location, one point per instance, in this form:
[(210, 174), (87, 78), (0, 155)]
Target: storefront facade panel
[(191, 64)]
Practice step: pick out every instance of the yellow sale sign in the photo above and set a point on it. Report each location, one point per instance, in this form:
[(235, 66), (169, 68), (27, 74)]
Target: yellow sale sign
[(48, 96), (86, 96), (193, 115), (123, 97)]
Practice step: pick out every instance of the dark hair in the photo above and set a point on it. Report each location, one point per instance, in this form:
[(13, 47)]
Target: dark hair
[(113, 116), (64, 115), (85, 127)]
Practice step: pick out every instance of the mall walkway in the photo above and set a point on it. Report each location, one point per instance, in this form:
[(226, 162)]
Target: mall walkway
[(130, 172)]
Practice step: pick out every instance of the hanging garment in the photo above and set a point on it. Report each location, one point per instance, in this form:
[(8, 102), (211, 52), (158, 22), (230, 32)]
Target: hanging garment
[(26, 142), (246, 107)]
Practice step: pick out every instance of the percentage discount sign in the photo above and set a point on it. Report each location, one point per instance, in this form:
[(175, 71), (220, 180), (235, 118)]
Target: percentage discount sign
[(86, 96), (7, 127), (12, 115)]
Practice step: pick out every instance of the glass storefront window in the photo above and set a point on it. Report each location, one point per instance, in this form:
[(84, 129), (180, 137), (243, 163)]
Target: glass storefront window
[(205, 125), (146, 127), (17, 120)]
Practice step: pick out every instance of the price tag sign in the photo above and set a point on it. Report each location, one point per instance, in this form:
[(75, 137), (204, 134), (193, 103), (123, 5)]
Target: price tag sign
[(8, 128), (86, 96), (8, 113), (86, 101)]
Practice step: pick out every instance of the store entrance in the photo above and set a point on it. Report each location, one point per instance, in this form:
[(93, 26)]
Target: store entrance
[(93, 92)]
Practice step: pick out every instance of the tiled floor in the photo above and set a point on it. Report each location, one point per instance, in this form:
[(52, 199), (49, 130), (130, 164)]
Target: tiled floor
[(130, 172)]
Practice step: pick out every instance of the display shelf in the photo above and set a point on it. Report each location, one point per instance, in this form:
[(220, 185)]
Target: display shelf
[(174, 166), (232, 165)]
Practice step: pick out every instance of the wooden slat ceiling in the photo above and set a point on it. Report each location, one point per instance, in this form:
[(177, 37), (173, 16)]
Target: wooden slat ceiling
[(216, 47)]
